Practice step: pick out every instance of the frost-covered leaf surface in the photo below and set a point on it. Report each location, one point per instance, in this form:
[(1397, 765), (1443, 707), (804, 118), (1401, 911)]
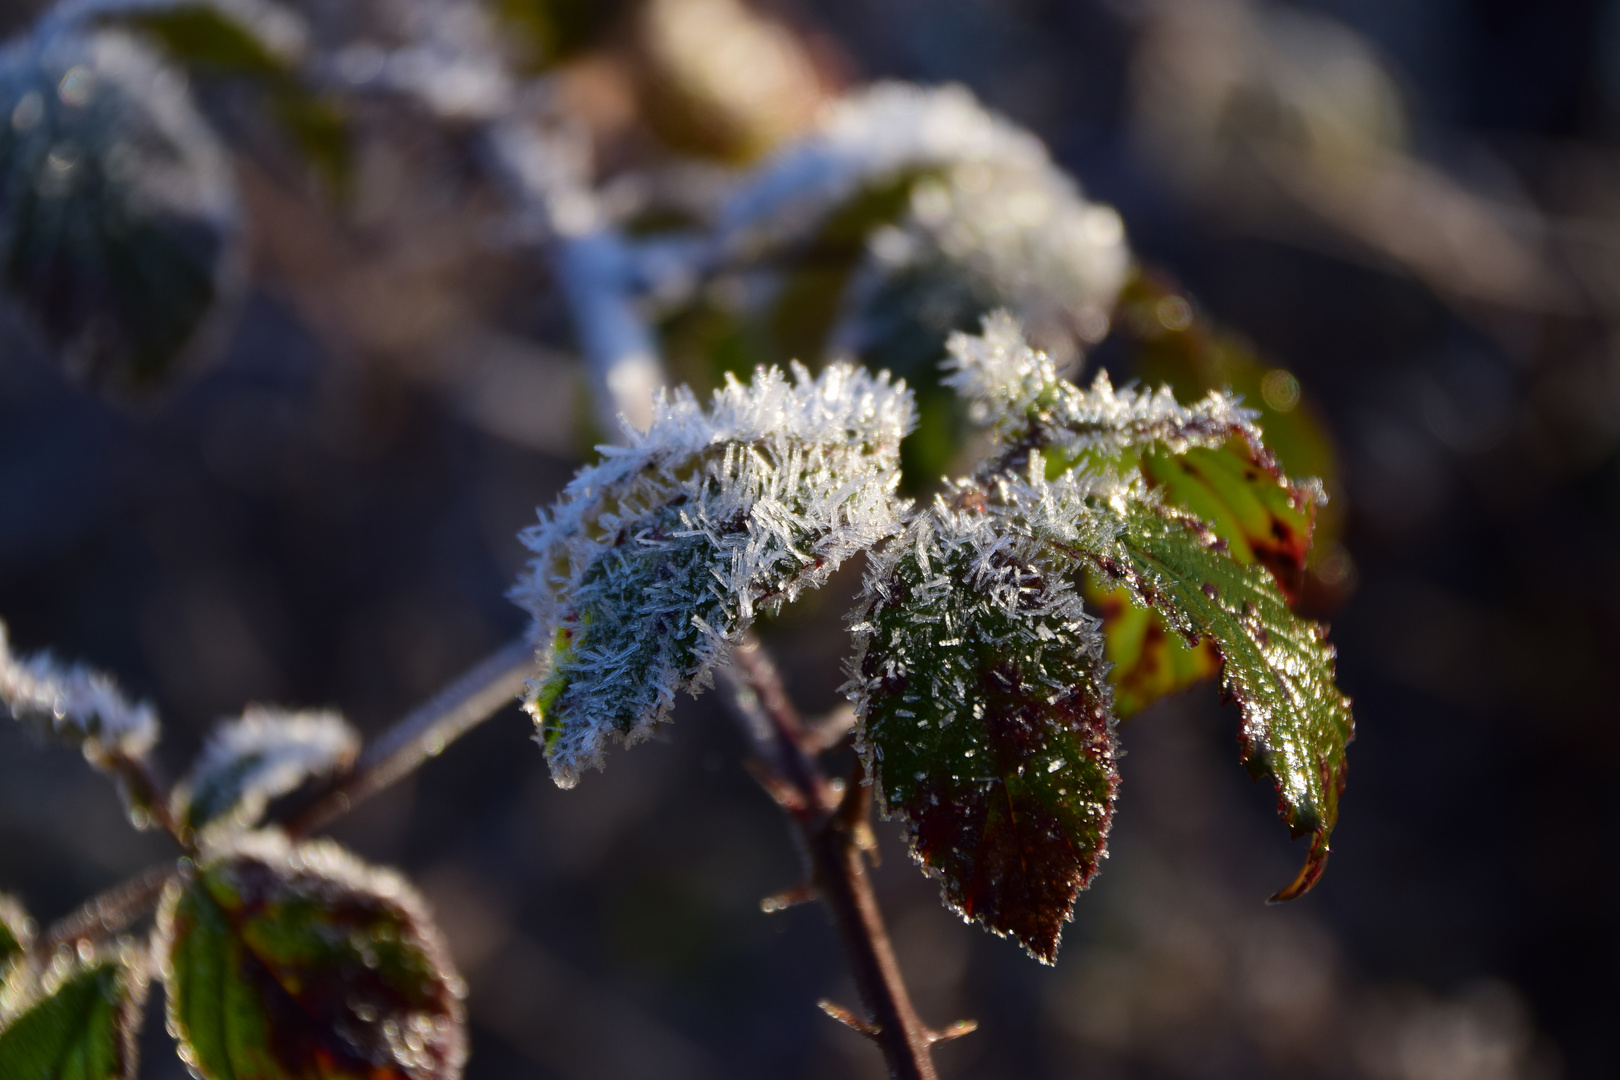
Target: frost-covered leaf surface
[(79, 1024), (301, 963), (986, 716), (1275, 665), (76, 704), (1017, 393), (655, 560), (263, 754), (118, 215)]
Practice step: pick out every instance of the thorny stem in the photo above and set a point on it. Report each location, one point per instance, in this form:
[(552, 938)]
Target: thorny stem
[(421, 734), (831, 833), (107, 914)]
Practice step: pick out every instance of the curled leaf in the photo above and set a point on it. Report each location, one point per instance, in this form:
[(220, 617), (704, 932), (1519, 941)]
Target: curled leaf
[(299, 962), (264, 754), (78, 1022), (118, 213), (654, 562), (986, 716)]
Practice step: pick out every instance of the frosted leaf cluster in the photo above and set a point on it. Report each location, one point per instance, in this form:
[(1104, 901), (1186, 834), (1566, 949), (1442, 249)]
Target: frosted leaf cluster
[(1016, 391), (75, 703), (655, 560), (259, 756)]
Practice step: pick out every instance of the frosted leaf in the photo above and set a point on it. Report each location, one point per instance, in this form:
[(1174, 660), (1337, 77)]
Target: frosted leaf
[(264, 754), (986, 712), (1016, 392), (655, 560), (118, 213), (1277, 666), (985, 234), (76, 704), (883, 131), (299, 960)]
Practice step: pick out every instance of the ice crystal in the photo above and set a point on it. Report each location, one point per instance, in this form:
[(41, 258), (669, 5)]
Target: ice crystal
[(1016, 391), (264, 754), (656, 559), (75, 703)]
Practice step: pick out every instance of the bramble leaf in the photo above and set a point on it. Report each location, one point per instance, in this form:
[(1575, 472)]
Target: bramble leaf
[(298, 962), (118, 213), (1147, 661), (654, 561), (1275, 665), (80, 1025), (987, 717), (262, 755)]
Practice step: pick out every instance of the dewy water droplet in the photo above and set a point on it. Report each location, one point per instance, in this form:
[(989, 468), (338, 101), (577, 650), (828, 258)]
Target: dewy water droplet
[(30, 109), (76, 86)]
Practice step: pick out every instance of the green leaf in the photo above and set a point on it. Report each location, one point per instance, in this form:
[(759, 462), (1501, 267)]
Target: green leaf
[(1275, 665), (301, 963), (1147, 660), (118, 214), (986, 718), (81, 1028), (1239, 494)]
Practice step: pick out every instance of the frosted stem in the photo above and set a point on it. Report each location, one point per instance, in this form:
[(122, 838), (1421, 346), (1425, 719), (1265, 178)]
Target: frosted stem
[(423, 733)]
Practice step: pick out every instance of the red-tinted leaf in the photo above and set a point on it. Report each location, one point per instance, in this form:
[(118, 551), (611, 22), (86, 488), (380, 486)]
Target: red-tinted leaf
[(987, 721), (301, 963)]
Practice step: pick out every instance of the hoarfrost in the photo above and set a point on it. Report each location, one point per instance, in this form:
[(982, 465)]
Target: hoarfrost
[(655, 560), (75, 703), (264, 754), (1016, 391)]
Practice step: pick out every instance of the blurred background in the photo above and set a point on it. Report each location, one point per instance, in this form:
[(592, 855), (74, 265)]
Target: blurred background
[(1410, 209)]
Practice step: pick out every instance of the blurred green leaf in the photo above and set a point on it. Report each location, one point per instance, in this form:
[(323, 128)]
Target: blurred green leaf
[(209, 42), (551, 31), (987, 722), (118, 216), (83, 1029), (301, 963)]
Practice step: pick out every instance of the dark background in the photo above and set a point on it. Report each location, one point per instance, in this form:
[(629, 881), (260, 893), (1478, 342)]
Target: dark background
[(319, 521)]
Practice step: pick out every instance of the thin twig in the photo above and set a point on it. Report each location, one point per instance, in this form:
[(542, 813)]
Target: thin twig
[(421, 734), (113, 911), (831, 831)]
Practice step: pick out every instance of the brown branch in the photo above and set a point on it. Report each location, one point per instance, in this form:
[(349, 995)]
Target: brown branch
[(421, 734), (832, 832), (113, 911)]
